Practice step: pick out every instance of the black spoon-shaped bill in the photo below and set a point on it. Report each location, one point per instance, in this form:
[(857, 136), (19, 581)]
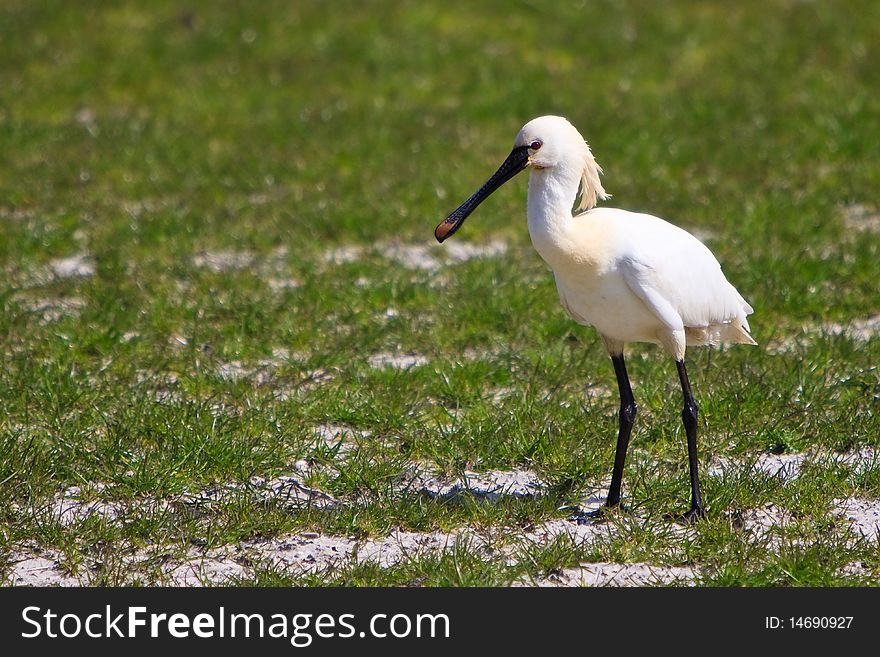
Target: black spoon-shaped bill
[(515, 162)]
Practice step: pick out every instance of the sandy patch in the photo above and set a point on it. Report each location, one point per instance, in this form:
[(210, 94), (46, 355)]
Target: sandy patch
[(616, 574), (308, 552), (237, 370), (304, 553), (858, 329), (789, 466), (67, 508), (339, 436), (298, 554), (785, 466), (788, 344), (290, 390), (310, 380), (277, 284), (201, 570), (430, 256), (77, 266), (286, 490), (196, 568), (223, 261), (498, 395), (16, 213), (460, 251), (862, 515), (490, 486), (859, 461), (314, 553), (163, 385), (289, 489), (342, 254), (424, 256), (139, 207), (766, 522), (552, 529), (54, 310), (413, 256), (862, 570), (592, 502), (28, 569), (860, 217), (291, 492), (397, 360), (261, 372)]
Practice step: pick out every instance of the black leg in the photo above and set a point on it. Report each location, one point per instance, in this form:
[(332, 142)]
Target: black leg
[(689, 418), (627, 415)]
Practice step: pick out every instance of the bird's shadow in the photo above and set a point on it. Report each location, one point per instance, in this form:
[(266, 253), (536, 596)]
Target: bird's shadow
[(460, 494)]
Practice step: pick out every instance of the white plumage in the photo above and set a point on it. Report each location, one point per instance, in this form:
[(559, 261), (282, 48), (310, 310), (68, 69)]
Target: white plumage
[(633, 276), (665, 287)]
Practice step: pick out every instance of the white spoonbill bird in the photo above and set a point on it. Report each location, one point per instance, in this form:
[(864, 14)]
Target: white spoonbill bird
[(633, 276)]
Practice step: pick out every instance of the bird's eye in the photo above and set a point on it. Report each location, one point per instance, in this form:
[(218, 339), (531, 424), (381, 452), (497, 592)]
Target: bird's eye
[(535, 145)]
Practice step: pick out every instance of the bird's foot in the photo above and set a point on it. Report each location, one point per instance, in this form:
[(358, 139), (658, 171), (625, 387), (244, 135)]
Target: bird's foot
[(602, 514), (693, 515)]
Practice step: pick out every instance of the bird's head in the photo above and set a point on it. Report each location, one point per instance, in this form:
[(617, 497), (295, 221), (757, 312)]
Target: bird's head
[(548, 144)]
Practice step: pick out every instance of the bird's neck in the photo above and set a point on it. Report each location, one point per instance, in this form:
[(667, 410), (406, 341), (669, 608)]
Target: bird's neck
[(552, 194)]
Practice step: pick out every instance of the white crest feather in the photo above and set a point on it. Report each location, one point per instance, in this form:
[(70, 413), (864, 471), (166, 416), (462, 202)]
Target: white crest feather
[(591, 189)]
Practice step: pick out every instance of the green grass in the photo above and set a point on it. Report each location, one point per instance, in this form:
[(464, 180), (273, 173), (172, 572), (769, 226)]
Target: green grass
[(143, 134)]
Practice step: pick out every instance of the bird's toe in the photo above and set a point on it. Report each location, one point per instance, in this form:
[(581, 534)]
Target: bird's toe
[(602, 514), (690, 517)]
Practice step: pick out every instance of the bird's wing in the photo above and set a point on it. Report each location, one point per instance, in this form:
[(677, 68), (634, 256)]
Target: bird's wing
[(642, 279), (681, 282)]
